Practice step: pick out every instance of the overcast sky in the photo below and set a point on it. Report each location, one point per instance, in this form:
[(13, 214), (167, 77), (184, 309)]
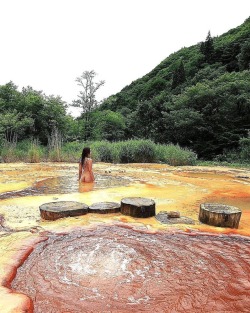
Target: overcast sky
[(46, 44)]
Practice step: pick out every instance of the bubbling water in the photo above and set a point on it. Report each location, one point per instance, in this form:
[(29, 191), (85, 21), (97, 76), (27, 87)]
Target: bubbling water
[(117, 269)]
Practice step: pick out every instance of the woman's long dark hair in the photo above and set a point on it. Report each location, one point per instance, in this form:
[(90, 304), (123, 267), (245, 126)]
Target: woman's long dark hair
[(85, 153)]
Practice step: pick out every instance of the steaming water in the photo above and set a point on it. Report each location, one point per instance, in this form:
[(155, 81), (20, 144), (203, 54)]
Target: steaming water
[(117, 269)]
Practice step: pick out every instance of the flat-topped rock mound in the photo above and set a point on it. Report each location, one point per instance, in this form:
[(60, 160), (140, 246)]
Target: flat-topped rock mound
[(220, 215), (171, 218), (54, 210), (138, 207), (105, 207)]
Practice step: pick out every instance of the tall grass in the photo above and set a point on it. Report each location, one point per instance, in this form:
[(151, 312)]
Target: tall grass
[(71, 151), (35, 152), (130, 151), (142, 151), (55, 145), (9, 154), (137, 151), (24, 151), (8, 151), (175, 155)]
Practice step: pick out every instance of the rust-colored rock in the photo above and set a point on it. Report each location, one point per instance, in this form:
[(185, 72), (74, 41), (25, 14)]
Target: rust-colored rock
[(173, 214), (60, 209), (138, 207), (94, 270), (164, 218), (105, 207), (220, 215)]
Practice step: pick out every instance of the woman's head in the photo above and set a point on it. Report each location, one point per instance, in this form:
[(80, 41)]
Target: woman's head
[(85, 153)]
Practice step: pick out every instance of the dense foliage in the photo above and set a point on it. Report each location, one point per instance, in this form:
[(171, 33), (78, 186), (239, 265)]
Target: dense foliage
[(29, 113), (197, 98), (129, 151)]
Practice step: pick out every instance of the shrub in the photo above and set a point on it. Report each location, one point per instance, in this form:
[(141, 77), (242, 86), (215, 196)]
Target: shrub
[(130, 151), (239, 155), (35, 152), (244, 149), (8, 154), (175, 155), (102, 151), (55, 155), (136, 151), (71, 151)]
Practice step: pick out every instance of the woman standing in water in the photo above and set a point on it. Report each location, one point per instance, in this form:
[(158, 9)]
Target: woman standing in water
[(85, 167)]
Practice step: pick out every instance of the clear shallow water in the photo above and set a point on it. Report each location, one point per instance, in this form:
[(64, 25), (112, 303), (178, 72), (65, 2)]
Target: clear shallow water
[(117, 269), (65, 184)]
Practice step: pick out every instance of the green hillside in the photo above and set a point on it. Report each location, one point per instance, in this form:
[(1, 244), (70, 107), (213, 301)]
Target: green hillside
[(198, 97)]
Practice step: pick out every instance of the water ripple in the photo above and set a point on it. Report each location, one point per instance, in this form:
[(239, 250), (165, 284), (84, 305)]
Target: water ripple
[(116, 269)]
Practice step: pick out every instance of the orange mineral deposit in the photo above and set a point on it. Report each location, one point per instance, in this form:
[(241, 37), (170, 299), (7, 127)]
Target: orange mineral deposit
[(117, 263)]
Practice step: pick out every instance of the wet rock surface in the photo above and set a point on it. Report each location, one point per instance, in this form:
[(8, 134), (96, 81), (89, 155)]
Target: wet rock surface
[(165, 218), (117, 269), (105, 207), (60, 209), (180, 189)]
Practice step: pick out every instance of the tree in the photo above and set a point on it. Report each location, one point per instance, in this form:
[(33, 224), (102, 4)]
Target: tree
[(146, 121), (152, 88), (13, 125), (107, 125), (244, 56), (47, 112), (207, 48), (87, 97), (179, 75), (9, 97)]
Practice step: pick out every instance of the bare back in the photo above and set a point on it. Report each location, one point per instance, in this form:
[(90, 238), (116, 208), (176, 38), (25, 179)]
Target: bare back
[(86, 171)]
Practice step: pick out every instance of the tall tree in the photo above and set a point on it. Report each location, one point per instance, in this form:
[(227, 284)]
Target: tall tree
[(47, 112), (13, 125), (179, 75), (244, 56), (107, 125), (87, 97), (207, 48)]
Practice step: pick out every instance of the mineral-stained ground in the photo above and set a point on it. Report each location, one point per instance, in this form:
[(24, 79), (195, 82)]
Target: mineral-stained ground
[(116, 263)]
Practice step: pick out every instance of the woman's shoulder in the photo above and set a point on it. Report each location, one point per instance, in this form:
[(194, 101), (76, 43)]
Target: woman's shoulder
[(88, 159)]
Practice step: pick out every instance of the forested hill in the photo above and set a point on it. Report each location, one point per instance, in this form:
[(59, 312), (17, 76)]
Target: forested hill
[(198, 97)]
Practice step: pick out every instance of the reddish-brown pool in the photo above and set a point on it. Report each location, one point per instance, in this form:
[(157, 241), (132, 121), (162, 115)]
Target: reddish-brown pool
[(117, 269)]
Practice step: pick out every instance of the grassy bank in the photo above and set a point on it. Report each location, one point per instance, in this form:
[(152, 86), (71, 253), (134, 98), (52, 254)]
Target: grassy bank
[(131, 151), (224, 163)]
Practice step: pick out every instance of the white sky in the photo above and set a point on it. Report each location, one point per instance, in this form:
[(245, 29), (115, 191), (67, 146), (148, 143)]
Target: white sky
[(48, 43)]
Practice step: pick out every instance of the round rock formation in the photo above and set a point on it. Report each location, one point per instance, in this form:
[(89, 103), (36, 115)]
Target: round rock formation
[(138, 207), (105, 207), (220, 215), (55, 210)]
